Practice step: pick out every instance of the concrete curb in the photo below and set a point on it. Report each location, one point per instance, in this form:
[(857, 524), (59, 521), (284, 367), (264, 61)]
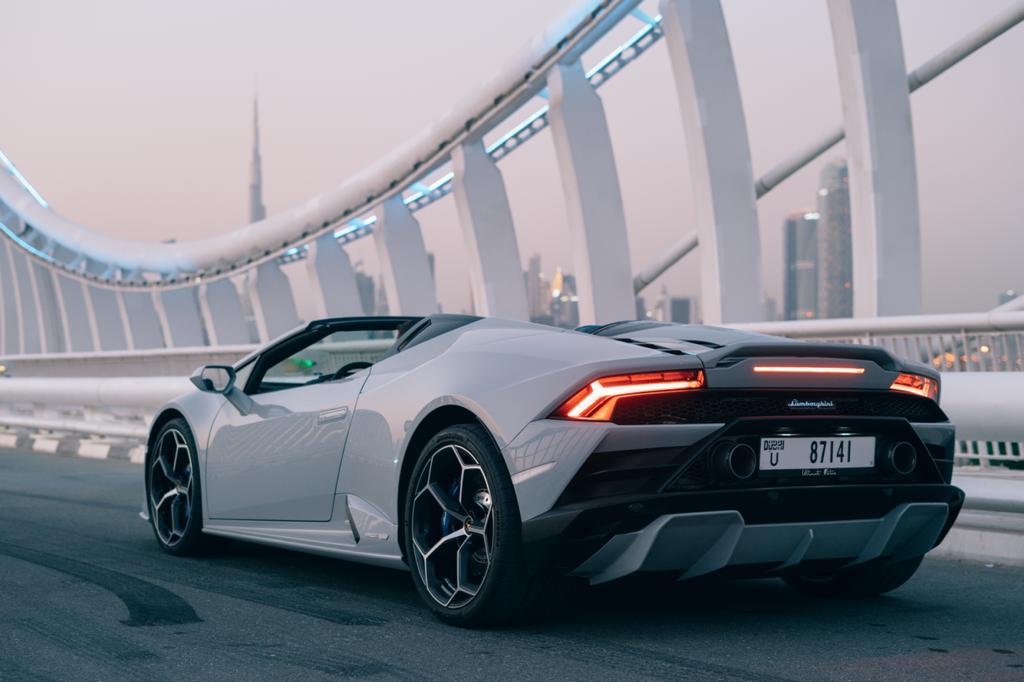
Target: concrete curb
[(73, 446)]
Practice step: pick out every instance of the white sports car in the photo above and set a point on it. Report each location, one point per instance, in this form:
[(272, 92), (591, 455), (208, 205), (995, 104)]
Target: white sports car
[(496, 458)]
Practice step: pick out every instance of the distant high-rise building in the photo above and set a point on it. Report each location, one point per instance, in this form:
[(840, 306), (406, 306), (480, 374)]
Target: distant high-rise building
[(381, 305), (257, 211), (538, 293), (367, 290), (771, 309), (680, 309), (835, 246), (673, 308), (800, 249), (641, 308), (565, 307)]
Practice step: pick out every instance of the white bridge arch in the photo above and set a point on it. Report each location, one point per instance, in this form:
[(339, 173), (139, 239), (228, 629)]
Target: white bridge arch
[(67, 288)]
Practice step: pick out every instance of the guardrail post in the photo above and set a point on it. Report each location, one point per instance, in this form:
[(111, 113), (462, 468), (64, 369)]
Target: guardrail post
[(408, 282), (882, 167), (593, 199), (332, 279), (273, 305), (495, 273), (719, 160), (223, 317)]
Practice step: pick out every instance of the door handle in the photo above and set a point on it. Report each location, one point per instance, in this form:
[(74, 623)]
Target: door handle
[(337, 414)]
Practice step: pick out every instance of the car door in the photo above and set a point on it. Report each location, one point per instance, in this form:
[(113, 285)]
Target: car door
[(276, 445)]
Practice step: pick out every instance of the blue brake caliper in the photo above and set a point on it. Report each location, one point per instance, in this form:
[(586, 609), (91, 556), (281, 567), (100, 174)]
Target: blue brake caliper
[(446, 519)]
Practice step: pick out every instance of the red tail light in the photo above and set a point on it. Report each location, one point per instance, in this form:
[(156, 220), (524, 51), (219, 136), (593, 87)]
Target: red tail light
[(596, 401), (915, 384)]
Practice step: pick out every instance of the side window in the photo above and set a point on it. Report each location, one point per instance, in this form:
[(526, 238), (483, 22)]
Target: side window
[(334, 356)]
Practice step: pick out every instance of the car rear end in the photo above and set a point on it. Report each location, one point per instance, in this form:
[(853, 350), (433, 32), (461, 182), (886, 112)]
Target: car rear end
[(751, 459)]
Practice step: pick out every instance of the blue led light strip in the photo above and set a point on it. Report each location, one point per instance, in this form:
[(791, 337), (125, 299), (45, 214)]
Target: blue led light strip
[(22, 180)]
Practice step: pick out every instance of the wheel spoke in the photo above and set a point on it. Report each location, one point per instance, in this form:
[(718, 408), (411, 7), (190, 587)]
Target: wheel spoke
[(454, 535), (463, 559), (447, 503), (169, 495), (177, 527), (165, 467)]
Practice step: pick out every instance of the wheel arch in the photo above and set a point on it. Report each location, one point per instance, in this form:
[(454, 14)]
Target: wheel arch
[(164, 416)]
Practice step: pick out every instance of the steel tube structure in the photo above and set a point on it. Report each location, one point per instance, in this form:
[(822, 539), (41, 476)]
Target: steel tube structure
[(896, 324), (917, 78), (569, 35)]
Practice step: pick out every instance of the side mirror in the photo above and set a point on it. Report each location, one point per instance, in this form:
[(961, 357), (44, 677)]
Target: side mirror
[(214, 378)]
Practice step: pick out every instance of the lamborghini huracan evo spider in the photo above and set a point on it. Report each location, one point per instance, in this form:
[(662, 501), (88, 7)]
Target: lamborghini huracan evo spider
[(494, 459)]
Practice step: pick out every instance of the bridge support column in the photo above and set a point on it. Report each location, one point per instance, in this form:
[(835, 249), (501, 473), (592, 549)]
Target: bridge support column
[(408, 282), (106, 311), (332, 279), (495, 273), (51, 334), (12, 338), (139, 309), (719, 160), (597, 223), (882, 167), (180, 317), (74, 314), (28, 313), (273, 305), (223, 317)]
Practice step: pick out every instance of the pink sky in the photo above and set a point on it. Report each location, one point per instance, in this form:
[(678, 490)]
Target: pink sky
[(134, 119)]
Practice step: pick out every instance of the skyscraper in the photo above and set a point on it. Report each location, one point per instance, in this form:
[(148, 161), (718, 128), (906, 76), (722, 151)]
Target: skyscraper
[(801, 269), (835, 247), (565, 308), (367, 290), (673, 308), (257, 211), (538, 295)]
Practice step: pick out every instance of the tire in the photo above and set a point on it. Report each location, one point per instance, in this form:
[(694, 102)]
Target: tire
[(470, 572), (173, 492), (869, 580)]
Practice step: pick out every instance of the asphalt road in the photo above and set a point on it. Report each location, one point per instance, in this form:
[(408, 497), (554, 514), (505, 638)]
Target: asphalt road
[(86, 594)]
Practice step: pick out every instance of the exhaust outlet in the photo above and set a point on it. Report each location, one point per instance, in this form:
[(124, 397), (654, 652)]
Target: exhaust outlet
[(735, 461), (902, 458)]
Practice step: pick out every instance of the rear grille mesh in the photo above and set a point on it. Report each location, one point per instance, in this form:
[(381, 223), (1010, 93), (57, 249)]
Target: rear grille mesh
[(714, 406)]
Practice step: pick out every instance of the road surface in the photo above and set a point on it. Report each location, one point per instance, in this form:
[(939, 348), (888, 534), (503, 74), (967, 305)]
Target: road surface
[(86, 594)]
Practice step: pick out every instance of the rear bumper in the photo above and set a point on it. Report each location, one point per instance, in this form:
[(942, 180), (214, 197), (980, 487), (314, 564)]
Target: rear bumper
[(762, 530)]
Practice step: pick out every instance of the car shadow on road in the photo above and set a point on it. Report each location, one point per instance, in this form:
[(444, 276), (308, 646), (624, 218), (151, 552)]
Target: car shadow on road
[(707, 604)]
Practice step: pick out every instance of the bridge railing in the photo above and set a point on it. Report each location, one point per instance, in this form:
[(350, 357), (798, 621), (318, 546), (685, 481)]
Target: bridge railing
[(969, 343), (966, 342)]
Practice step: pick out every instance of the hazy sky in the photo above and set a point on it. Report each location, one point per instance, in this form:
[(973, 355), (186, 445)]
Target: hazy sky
[(134, 118)]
